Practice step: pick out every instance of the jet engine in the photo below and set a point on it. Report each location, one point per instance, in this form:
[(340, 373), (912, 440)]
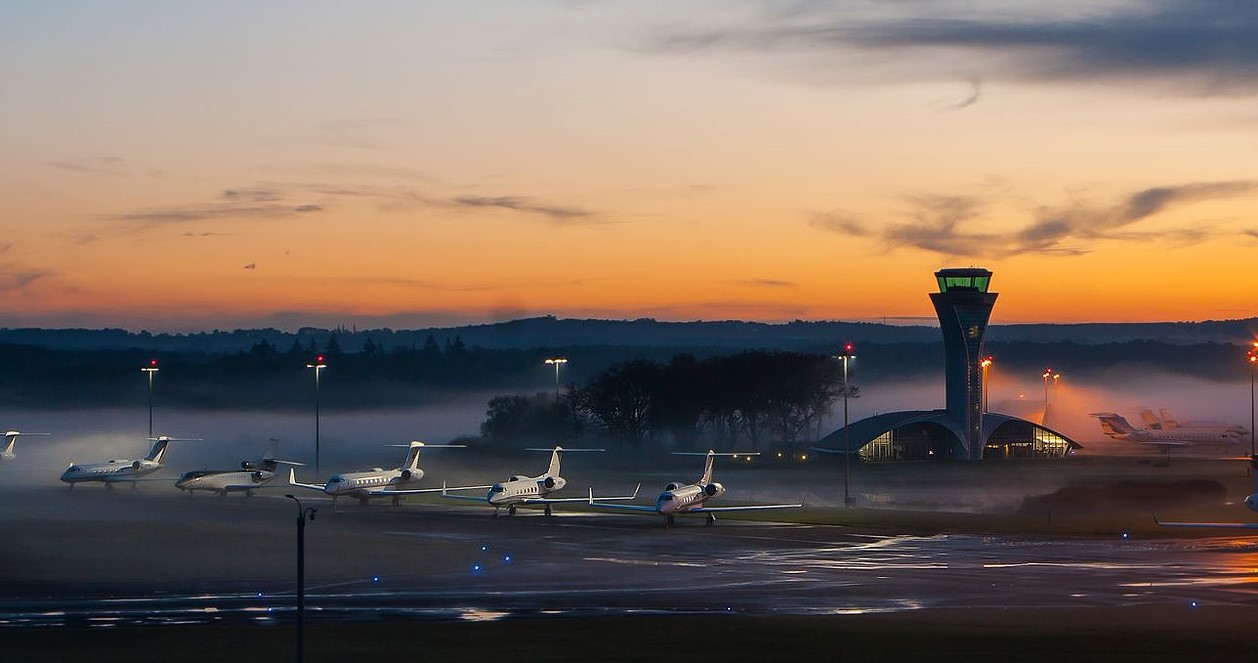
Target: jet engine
[(412, 475), (549, 483), (714, 489), (673, 485), (258, 475), (1252, 502), (135, 465)]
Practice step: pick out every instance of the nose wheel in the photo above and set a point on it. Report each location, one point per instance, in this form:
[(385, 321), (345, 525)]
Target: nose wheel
[(711, 520), (668, 521)]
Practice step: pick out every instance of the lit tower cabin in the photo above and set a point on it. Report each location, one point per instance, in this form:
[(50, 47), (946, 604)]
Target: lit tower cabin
[(964, 306)]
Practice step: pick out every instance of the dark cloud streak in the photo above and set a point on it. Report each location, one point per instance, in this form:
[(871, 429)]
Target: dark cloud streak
[(1186, 46), (938, 223)]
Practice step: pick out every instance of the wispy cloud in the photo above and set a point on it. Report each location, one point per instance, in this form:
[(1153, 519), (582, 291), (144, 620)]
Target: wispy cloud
[(1186, 46), (13, 278), (236, 203), (558, 213), (767, 283), (939, 223), (107, 166)]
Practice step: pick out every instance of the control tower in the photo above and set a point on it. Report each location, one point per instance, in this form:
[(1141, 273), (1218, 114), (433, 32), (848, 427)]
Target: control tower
[(964, 305)]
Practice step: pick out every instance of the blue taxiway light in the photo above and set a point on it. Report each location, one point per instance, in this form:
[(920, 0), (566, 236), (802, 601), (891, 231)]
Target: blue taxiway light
[(375, 578)]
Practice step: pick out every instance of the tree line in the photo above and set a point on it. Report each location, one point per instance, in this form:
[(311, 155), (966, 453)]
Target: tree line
[(750, 400)]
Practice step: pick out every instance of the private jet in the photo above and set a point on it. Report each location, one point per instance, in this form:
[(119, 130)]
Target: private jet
[(379, 482), (680, 498), (251, 474), (10, 440), (1164, 420), (121, 470), (1251, 502), (524, 490), (1117, 427)]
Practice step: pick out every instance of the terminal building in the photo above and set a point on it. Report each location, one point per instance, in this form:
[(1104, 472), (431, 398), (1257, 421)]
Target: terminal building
[(962, 430)]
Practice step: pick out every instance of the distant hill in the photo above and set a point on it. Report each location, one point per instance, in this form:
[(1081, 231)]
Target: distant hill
[(552, 332)]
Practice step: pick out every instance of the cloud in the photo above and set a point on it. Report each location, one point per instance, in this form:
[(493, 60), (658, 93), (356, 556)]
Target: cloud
[(938, 223), (251, 195), (12, 279), (768, 283), (1202, 47), (202, 213), (307, 208), (840, 222), (108, 166), (525, 205)]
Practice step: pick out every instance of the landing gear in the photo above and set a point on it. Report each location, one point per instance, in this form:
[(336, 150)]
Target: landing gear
[(495, 513), (222, 493), (668, 521), (397, 501), (548, 509), (511, 510), (711, 520)]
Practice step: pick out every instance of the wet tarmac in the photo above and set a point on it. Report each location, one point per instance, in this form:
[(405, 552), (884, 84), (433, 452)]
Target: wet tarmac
[(109, 557)]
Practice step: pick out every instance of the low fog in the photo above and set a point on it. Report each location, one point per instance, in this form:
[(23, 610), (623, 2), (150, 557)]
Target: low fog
[(359, 440)]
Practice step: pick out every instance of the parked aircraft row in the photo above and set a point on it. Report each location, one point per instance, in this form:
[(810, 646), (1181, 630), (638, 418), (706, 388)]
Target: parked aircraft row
[(518, 490), (1169, 432)]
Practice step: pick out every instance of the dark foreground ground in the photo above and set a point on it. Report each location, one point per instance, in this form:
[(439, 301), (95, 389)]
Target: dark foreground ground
[(1078, 634)]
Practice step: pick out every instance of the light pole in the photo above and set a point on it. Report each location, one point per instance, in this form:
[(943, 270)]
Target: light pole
[(986, 364), (317, 366), (557, 361), (302, 515), (847, 435), (151, 369), (1048, 373), (1253, 363)]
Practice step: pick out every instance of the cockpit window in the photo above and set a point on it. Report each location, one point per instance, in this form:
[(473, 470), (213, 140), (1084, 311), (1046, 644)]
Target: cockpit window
[(497, 488), (666, 498), (337, 478)]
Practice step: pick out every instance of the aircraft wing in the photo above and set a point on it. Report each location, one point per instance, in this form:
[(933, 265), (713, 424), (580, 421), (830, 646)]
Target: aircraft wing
[(641, 508), (1214, 525), (384, 492), (292, 481), (587, 500), (748, 507), (1166, 443)]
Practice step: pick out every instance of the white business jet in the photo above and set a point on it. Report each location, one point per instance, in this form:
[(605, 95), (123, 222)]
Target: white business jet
[(251, 474), (1117, 427), (10, 439), (1251, 502), (121, 470), (679, 498), (379, 482), (522, 490)]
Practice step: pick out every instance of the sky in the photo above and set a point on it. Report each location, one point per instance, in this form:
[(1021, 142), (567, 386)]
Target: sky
[(178, 166)]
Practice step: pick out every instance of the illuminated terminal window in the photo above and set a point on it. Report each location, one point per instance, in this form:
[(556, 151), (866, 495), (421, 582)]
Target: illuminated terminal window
[(1022, 439)]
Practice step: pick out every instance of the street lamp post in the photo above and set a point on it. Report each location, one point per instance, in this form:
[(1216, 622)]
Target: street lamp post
[(557, 361), (317, 366), (151, 369), (302, 515), (1253, 363), (1048, 373), (986, 363), (847, 435)]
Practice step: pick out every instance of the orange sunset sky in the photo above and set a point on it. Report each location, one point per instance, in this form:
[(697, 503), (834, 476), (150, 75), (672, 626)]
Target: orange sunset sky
[(178, 166)]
